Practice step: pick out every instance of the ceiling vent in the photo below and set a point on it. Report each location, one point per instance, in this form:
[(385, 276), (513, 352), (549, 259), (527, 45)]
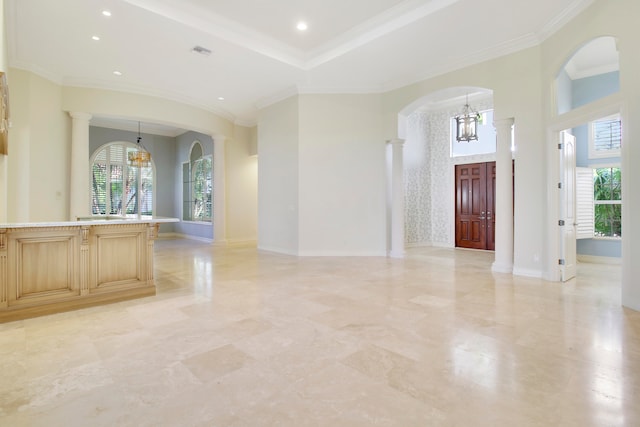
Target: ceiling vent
[(201, 50)]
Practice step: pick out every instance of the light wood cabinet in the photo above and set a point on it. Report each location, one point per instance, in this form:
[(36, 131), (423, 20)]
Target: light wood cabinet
[(51, 268)]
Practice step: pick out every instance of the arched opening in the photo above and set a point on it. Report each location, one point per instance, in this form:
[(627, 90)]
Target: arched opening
[(589, 120), (197, 188), (590, 74), (430, 157)]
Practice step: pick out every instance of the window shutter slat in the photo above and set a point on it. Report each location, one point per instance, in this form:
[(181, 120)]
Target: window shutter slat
[(584, 203)]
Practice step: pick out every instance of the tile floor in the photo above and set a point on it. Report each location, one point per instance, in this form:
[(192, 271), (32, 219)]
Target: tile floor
[(240, 338)]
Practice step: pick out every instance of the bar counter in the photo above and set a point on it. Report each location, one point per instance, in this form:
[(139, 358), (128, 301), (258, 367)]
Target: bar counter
[(50, 267)]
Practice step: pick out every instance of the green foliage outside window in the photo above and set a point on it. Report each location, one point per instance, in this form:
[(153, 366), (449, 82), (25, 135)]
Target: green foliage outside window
[(116, 188), (607, 195)]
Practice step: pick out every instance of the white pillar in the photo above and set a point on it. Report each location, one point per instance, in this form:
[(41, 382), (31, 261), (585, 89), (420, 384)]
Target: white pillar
[(397, 199), (630, 204), (79, 195), (504, 198), (219, 192)]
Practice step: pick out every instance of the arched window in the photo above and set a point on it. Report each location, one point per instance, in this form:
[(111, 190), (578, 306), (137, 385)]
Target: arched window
[(197, 186), (116, 187)]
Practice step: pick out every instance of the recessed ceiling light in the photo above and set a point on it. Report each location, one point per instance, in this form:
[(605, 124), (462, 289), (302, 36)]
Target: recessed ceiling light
[(302, 26), (117, 73), (106, 13), (96, 38), (221, 98)]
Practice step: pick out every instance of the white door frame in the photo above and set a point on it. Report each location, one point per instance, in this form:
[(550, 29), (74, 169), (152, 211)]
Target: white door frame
[(601, 108)]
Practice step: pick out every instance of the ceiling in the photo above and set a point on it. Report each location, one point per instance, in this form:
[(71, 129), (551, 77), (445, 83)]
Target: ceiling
[(257, 54)]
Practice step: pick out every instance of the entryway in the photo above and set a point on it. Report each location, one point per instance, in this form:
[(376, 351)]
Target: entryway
[(475, 205)]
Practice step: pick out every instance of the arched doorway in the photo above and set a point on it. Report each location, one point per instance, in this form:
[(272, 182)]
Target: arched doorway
[(587, 110), (429, 162)]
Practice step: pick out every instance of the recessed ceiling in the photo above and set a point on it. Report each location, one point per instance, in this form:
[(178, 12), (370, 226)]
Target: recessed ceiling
[(258, 55)]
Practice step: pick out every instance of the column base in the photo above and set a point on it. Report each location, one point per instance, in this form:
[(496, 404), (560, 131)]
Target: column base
[(497, 267), (396, 254)]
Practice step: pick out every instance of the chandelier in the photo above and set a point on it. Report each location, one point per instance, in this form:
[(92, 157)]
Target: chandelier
[(140, 158), (467, 124)]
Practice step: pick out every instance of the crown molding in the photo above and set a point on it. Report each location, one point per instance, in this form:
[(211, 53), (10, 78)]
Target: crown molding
[(277, 97), (145, 91), (245, 123), (218, 26), (41, 72), (126, 124), (380, 25), (487, 54), (563, 18)]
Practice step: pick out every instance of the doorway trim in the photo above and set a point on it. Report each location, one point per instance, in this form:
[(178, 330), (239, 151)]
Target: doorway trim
[(603, 107)]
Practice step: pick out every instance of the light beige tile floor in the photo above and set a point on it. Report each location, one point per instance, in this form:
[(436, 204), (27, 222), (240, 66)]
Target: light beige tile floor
[(240, 338)]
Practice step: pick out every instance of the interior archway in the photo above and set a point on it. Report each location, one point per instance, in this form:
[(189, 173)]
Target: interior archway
[(429, 165), (585, 88)]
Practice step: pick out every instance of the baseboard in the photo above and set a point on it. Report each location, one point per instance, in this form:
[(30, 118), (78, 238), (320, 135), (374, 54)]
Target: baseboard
[(277, 250), (418, 245), (445, 245), (242, 242), (174, 235), (343, 254), (592, 259), (525, 272)]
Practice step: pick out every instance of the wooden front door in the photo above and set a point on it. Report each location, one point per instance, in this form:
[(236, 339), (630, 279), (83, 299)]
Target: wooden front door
[(475, 205)]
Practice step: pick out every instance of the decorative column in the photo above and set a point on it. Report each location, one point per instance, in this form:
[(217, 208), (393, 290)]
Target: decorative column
[(84, 260), (152, 235), (219, 192), (504, 197), (397, 199), (631, 202), (79, 195)]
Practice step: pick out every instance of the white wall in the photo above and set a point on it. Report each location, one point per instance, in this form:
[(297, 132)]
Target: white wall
[(144, 108), (39, 146), (4, 165), (342, 176), (242, 186), (278, 144)]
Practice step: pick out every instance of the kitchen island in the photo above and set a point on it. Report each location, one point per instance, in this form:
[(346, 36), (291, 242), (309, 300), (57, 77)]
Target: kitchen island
[(50, 267)]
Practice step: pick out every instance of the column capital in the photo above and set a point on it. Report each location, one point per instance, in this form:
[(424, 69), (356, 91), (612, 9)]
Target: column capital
[(78, 115), (503, 123), (396, 141)]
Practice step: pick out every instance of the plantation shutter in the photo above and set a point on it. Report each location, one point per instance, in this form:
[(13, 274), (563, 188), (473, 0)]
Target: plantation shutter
[(607, 135), (584, 203)]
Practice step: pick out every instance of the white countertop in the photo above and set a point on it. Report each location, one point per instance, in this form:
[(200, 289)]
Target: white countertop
[(96, 220)]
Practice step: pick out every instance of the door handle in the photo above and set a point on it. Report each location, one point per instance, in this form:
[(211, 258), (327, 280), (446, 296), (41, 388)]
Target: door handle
[(489, 216), (482, 215)]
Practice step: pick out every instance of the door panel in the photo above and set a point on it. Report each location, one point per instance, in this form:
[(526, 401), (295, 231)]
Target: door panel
[(470, 206), (475, 205), (491, 206), (568, 206)]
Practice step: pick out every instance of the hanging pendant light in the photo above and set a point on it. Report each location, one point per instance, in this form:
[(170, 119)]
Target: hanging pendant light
[(140, 158), (467, 124)]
